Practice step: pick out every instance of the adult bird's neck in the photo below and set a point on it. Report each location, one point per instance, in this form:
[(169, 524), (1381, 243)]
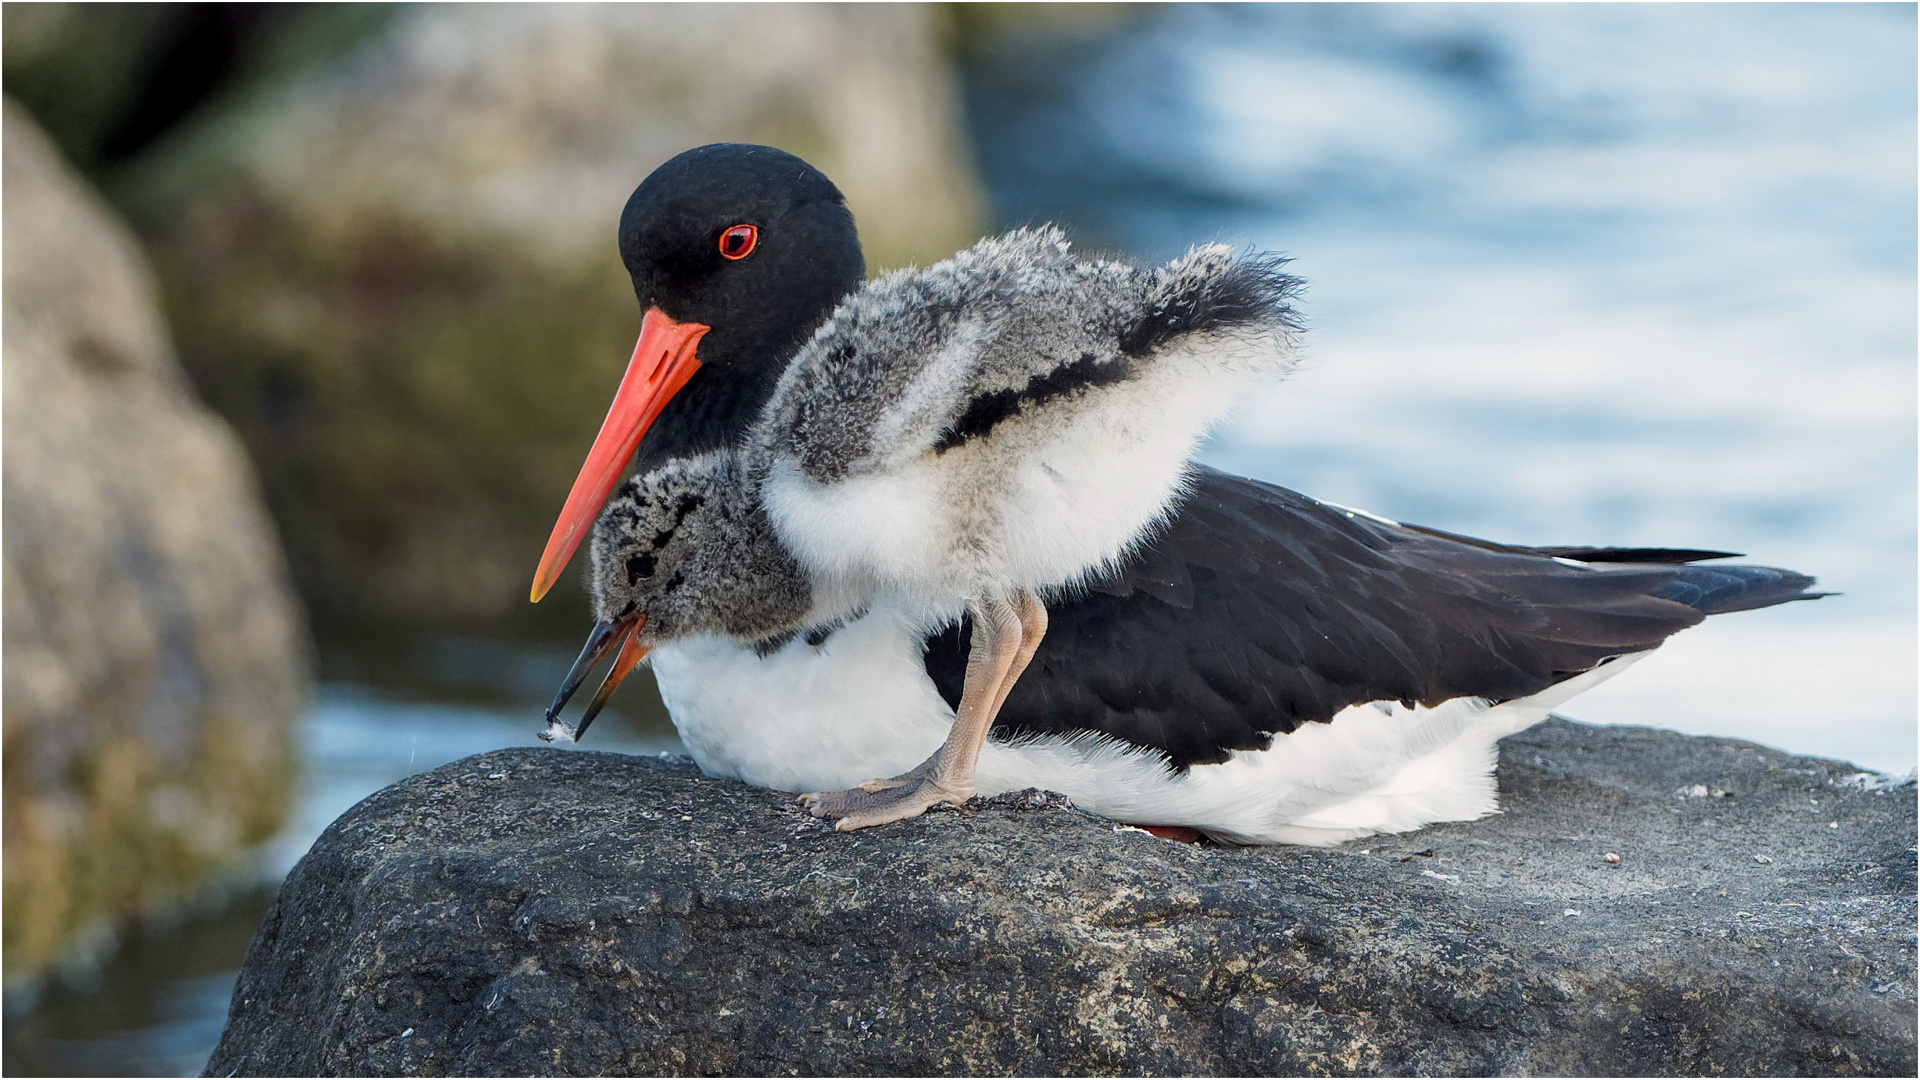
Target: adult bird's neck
[(715, 407)]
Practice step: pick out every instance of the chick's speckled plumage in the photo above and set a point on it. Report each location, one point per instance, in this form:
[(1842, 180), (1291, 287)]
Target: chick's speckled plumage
[(933, 358), (689, 545), (956, 382), (1012, 418)]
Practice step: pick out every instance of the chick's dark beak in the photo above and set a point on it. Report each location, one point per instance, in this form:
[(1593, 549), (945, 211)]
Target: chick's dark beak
[(605, 636)]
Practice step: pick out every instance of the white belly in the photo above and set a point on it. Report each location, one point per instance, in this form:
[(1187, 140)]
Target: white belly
[(1374, 768), (807, 718), (861, 706)]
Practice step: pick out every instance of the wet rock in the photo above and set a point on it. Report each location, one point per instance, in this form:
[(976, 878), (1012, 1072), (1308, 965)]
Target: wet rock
[(397, 274), (544, 912), (155, 658)]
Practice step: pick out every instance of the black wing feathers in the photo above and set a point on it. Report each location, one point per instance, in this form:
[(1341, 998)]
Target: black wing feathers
[(1585, 554), (1259, 609)]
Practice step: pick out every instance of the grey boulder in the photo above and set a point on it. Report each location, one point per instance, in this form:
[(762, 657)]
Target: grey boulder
[(544, 912)]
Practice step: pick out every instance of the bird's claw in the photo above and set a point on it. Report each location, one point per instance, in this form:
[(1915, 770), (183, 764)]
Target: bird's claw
[(895, 799)]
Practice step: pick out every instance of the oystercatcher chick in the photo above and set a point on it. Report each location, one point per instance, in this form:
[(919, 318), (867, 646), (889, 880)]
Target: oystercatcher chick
[(953, 441), (1262, 666)]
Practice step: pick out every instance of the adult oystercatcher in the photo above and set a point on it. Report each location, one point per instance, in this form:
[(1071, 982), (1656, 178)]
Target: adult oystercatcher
[(1265, 668)]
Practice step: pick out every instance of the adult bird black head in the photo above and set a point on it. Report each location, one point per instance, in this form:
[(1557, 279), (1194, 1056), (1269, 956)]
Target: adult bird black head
[(737, 253)]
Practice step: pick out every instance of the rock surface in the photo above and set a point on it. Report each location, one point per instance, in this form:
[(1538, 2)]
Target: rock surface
[(544, 912), (397, 275), (155, 658)]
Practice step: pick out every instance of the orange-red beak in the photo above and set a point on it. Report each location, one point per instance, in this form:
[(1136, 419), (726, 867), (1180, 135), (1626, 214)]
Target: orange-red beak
[(663, 361)]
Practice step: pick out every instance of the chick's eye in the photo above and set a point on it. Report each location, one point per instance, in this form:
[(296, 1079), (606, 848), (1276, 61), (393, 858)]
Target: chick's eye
[(638, 567), (738, 242)]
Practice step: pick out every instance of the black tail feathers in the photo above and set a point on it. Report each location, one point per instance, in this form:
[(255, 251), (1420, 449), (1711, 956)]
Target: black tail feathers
[(1213, 289), (1716, 590)]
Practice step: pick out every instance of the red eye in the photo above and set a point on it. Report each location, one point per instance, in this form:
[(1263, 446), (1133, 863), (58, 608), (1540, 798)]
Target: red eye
[(738, 242)]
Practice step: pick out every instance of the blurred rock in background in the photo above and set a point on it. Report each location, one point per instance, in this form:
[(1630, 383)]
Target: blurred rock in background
[(395, 272), (155, 656)]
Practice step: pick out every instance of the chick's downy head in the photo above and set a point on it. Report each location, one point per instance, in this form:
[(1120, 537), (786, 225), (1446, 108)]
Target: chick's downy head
[(687, 547)]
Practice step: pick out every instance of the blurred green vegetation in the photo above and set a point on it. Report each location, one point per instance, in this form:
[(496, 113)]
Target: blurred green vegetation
[(111, 82), (80, 75), (417, 407)]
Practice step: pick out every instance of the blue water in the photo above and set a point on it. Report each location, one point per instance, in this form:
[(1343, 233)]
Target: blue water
[(1610, 274), (1631, 274), (171, 1034)]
